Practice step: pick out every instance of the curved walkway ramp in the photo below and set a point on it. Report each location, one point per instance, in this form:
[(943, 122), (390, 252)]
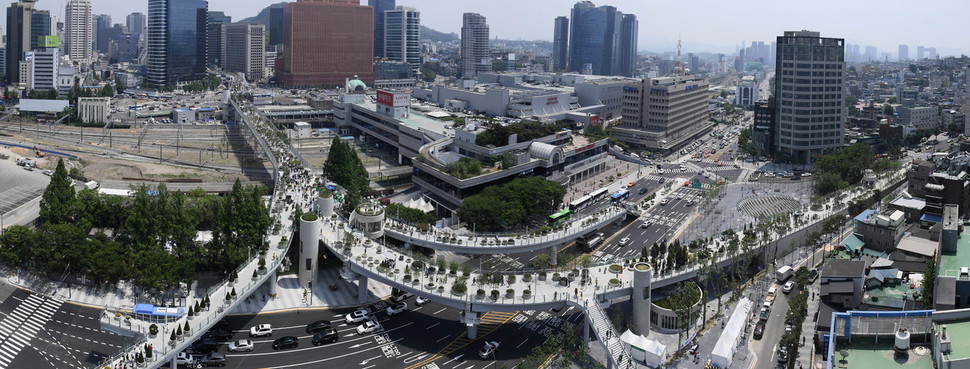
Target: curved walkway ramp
[(506, 243)]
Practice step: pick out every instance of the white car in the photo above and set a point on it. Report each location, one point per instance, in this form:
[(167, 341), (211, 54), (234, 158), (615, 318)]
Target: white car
[(397, 308), (789, 286), (184, 358), (488, 349), (645, 224), (241, 345), (420, 300), (625, 241), (357, 316), (663, 202), (261, 330), (368, 327)]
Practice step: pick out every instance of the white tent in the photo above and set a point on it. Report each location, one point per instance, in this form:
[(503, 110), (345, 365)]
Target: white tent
[(644, 349), (420, 204), (726, 345)]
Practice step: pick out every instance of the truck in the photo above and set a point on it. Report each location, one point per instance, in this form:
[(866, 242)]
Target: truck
[(591, 240), (783, 273), (765, 313), (93, 185), (26, 162)]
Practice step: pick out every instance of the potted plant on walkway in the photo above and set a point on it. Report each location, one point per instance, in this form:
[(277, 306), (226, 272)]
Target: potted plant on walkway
[(188, 328), (153, 329)]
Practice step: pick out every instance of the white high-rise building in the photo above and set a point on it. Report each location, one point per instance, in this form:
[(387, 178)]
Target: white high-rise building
[(246, 50), (475, 52), (78, 30), (402, 35)]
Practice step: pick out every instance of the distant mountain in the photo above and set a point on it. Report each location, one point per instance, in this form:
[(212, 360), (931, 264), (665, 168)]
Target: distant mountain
[(435, 36), (263, 16)]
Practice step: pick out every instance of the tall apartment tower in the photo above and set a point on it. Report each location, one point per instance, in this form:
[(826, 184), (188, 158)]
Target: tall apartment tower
[(598, 42), (100, 23), (402, 36), (810, 102), (560, 44), (903, 53), (176, 41), (380, 6), (326, 42), (18, 37), (77, 29), (475, 53), (246, 50)]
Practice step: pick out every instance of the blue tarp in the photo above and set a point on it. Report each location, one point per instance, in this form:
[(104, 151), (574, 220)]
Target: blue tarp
[(931, 218)]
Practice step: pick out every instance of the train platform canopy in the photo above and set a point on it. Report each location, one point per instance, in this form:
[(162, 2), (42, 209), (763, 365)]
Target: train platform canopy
[(42, 106)]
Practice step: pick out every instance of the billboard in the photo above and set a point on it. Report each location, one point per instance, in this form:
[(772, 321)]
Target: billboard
[(393, 99), (49, 41), (28, 56)]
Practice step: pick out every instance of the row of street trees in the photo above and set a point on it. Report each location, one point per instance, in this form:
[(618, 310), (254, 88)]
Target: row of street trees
[(344, 168), (152, 233)]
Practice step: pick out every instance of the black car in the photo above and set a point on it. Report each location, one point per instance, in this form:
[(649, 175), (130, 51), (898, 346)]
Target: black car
[(285, 342), (326, 336), (220, 334), (759, 330), (317, 326), (643, 191), (212, 359), (205, 345), (223, 324)]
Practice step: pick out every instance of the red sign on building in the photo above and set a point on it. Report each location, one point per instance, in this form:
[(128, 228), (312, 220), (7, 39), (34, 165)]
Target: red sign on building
[(393, 99), (552, 100)]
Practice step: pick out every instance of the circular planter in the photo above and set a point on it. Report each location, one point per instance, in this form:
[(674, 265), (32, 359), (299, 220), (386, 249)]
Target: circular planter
[(429, 285), (614, 282), (615, 268)]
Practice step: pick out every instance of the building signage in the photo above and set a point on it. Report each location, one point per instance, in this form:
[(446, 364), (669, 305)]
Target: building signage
[(393, 99), (594, 120), (28, 56), (552, 100), (49, 41), (584, 148)]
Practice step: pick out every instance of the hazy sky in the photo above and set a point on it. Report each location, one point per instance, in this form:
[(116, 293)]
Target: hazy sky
[(703, 25)]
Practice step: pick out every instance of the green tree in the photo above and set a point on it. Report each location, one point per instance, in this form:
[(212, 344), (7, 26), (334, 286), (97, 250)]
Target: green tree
[(912, 68), (17, 245), (57, 203), (929, 283), (344, 168), (107, 91), (428, 75), (888, 109), (119, 86)]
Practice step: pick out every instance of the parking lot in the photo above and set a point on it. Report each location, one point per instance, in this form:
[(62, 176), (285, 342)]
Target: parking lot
[(19, 186)]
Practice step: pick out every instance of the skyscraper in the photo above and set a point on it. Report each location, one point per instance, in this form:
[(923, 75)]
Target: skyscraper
[(135, 23), (326, 42), (380, 6), (40, 26), (560, 44), (215, 39), (628, 46), (809, 84), (903, 53), (596, 38), (100, 23), (871, 54), (275, 26), (402, 36), (18, 37), (77, 28), (246, 50), (475, 52), (176, 41)]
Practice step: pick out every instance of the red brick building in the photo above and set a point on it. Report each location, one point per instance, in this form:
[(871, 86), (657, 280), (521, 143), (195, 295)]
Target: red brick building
[(326, 42)]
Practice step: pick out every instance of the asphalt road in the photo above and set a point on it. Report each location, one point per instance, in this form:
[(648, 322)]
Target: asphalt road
[(429, 336), (43, 333)]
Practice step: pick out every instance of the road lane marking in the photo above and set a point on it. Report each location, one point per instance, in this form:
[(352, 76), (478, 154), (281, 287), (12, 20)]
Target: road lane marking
[(433, 325), (436, 313), (322, 346), (523, 342), (329, 358), (442, 338)]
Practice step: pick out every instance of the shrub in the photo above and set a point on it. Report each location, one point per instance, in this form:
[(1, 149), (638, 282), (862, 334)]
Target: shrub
[(309, 217), (234, 292), (480, 292), (511, 278), (466, 271), (148, 351), (187, 326), (173, 336), (417, 264), (178, 331), (453, 267), (255, 275), (459, 287), (527, 278), (494, 294), (510, 292), (153, 329)]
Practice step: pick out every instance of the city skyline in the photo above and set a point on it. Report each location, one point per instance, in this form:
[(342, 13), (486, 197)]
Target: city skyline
[(534, 21)]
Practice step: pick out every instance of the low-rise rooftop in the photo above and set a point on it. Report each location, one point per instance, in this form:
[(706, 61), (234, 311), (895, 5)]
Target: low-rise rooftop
[(869, 355), (951, 262)]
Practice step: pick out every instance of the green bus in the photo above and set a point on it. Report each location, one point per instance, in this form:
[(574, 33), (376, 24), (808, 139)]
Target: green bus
[(559, 217)]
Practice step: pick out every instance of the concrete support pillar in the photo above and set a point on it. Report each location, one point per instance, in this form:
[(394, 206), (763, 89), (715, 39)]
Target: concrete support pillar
[(553, 255), (586, 330), (309, 249), (272, 283), (471, 320), (362, 289), (173, 364), (642, 276)]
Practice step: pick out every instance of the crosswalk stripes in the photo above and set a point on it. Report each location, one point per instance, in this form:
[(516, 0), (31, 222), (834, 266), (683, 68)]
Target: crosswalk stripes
[(22, 324), (490, 321)]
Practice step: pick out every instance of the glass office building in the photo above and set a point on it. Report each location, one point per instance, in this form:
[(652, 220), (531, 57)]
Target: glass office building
[(602, 40), (176, 40)]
